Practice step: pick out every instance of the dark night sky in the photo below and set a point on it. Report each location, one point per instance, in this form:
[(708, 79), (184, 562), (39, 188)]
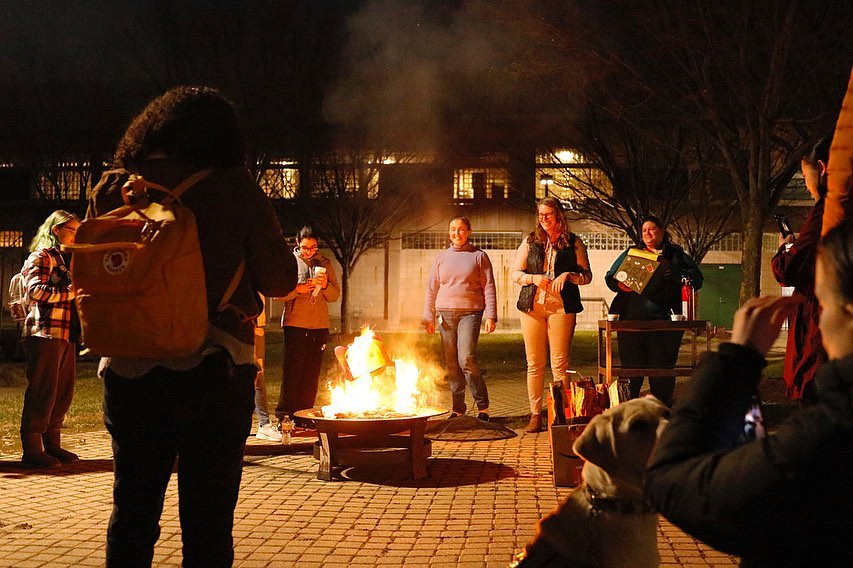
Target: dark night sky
[(400, 70), (389, 66)]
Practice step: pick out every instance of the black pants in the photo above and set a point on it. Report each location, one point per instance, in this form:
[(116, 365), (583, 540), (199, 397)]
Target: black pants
[(200, 417), (303, 358), (653, 349)]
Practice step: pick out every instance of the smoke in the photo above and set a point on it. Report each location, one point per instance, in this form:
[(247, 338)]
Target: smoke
[(409, 67)]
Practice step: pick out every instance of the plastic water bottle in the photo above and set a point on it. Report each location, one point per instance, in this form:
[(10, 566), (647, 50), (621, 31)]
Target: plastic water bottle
[(286, 429)]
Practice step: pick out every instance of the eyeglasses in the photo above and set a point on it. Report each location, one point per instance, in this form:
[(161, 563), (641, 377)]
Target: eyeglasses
[(308, 249), (546, 215)]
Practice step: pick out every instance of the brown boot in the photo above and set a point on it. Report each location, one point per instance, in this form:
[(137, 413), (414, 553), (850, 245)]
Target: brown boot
[(34, 454), (51, 447), (535, 424)]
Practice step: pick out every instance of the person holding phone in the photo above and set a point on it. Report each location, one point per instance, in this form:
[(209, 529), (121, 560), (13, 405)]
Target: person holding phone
[(781, 500), (793, 265), (50, 339)]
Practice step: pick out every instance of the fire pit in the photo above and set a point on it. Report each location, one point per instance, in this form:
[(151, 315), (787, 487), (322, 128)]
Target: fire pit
[(377, 412), (345, 442)]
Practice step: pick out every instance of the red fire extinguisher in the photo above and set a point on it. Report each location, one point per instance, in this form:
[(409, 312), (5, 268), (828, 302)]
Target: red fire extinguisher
[(687, 298)]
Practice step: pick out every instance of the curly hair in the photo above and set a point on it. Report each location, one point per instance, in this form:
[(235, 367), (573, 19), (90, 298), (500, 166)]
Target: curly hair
[(196, 125)]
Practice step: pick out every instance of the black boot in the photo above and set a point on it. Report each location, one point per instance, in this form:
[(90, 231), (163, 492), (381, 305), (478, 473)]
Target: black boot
[(51, 447), (34, 454)]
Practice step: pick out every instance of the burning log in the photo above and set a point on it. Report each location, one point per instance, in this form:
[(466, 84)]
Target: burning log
[(376, 386)]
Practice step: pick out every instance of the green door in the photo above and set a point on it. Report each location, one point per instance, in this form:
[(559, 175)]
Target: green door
[(718, 297)]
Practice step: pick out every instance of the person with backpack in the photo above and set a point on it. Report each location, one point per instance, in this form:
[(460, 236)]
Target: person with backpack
[(49, 343), (193, 410)]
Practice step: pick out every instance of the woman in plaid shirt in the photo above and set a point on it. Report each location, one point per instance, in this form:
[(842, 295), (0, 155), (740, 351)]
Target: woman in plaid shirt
[(49, 346)]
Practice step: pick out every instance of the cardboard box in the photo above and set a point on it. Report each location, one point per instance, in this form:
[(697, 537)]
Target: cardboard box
[(565, 464), (637, 269)]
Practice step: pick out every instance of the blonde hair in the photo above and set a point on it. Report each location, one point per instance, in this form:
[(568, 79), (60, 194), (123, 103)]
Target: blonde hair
[(45, 237)]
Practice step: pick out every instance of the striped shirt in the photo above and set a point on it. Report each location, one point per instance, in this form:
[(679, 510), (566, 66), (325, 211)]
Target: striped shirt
[(48, 283)]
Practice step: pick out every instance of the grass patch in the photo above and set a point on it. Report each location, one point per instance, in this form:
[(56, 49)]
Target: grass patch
[(501, 354)]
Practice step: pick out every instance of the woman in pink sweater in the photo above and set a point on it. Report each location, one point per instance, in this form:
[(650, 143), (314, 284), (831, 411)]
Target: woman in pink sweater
[(460, 291)]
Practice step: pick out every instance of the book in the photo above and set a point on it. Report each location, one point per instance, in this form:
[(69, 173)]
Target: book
[(637, 269)]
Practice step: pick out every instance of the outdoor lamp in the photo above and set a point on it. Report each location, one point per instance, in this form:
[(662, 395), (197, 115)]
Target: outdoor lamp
[(547, 180)]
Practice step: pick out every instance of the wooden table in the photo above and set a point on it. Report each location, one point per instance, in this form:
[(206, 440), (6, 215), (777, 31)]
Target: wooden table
[(607, 371)]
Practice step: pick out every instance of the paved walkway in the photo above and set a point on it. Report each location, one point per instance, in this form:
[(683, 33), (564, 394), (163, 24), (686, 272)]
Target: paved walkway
[(479, 505)]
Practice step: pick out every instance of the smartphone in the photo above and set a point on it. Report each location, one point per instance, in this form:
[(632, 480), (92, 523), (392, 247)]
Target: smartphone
[(784, 225), (753, 422)]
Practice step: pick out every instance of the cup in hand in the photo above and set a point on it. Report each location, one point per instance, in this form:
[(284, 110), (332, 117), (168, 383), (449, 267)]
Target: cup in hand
[(318, 272)]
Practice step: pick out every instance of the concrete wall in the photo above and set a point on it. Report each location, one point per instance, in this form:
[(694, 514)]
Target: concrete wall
[(408, 271)]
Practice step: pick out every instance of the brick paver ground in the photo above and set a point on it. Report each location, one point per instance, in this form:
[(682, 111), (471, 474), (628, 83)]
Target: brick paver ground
[(479, 505)]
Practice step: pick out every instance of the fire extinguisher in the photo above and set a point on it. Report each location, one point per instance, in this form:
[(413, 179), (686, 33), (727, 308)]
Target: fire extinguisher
[(687, 297)]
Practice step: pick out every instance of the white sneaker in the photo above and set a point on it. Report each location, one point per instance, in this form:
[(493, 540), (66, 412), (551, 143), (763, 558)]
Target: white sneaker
[(268, 432)]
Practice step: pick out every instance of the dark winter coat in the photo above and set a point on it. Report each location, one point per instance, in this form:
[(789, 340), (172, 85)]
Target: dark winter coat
[(663, 292), (781, 501)]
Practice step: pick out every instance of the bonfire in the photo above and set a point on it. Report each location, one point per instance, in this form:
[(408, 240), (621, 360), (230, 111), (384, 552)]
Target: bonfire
[(374, 385)]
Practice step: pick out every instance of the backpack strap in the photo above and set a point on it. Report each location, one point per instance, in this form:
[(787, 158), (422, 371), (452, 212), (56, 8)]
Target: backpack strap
[(232, 286), (185, 185), (134, 183)]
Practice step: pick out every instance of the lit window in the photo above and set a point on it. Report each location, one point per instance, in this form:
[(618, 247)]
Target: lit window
[(569, 183), (280, 181), (11, 239), (485, 183), (343, 181), (65, 181)]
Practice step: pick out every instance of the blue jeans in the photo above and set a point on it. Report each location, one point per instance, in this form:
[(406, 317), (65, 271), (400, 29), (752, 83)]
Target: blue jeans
[(459, 334), (261, 400)]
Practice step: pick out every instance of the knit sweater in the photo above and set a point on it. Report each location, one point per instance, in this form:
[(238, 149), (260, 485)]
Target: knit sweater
[(461, 279)]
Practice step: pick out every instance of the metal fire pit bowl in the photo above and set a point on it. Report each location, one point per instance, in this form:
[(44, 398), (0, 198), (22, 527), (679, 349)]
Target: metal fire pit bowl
[(345, 442)]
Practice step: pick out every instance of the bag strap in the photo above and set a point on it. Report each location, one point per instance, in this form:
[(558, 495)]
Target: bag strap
[(232, 286), (185, 185), (171, 195)]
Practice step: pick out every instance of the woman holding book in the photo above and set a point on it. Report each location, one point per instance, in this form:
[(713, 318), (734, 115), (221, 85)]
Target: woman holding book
[(660, 299), (549, 266)]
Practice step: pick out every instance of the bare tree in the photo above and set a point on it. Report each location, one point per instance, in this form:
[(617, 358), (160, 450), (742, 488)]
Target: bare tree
[(344, 199), (763, 78), (626, 172)]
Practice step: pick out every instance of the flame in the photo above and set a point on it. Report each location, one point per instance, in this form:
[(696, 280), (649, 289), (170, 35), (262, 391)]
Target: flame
[(380, 385)]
